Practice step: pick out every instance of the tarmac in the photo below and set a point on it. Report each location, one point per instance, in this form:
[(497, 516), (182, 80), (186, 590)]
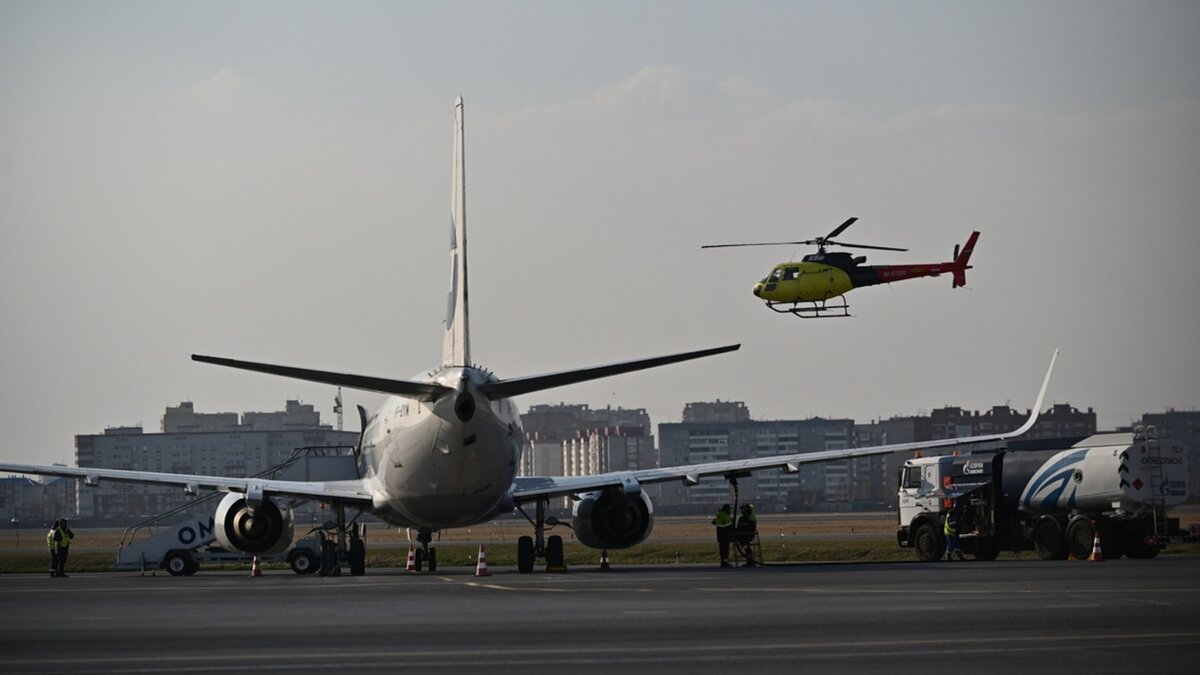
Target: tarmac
[(999, 617)]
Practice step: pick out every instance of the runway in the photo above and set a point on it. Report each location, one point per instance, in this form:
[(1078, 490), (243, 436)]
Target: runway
[(1115, 616)]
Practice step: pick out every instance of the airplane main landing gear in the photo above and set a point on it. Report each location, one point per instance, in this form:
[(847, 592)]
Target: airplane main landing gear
[(345, 545), (529, 549)]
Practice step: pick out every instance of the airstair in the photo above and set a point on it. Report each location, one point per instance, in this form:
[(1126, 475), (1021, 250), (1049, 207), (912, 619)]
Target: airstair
[(173, 540)]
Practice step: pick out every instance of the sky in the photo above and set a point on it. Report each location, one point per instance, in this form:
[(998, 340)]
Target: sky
[(271, 181)]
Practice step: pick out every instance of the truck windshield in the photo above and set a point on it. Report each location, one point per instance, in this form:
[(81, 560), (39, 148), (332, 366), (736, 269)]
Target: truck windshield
[(911, 478)]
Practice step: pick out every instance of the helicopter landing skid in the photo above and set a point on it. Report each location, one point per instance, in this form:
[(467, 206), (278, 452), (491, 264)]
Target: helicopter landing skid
[(812, 309)]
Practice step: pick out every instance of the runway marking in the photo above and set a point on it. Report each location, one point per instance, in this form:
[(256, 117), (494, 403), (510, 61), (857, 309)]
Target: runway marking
[(540, 589), (939, 591), (658, 653)]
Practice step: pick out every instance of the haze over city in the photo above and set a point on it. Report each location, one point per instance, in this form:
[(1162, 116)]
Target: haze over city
[(271, 183)]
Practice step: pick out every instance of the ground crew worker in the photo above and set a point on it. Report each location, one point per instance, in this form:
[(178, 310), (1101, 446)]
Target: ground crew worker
[(62, 546), (53, 548), (747, 529), (950, 529), (724, 523)]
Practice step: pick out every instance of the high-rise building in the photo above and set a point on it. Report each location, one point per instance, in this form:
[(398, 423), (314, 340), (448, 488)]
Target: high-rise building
[(724, 430), (563, 439)]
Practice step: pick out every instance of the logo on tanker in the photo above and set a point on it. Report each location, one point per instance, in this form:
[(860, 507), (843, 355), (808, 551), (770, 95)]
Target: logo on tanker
[(1053, 482)]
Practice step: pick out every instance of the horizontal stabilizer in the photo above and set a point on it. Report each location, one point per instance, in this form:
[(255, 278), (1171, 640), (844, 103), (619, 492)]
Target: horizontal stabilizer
[(421, 391), (524, 385)]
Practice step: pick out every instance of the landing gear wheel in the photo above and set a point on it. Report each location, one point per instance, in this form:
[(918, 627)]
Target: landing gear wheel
[(419, 559), (358, 557), (1048, 540), (432, 560), (525, 555), (554, 554), (930, 547), (1080, 538), (177, 563), (302, 561)]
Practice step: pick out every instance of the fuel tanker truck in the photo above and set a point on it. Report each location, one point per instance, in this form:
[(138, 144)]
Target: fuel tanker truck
[(1050, 497)]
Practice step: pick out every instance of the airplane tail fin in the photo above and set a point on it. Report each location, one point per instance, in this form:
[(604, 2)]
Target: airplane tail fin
[(961, 258), (456, 348)]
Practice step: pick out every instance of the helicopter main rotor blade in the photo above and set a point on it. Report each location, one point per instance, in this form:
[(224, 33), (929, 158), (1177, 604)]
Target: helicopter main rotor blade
[(877, 248), (840, 228), (765, 243)]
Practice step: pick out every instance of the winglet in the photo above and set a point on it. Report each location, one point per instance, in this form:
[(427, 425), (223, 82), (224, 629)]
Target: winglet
[(1037, 407)]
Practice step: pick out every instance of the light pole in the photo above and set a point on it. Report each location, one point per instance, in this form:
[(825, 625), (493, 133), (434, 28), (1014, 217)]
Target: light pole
[(17, 524)]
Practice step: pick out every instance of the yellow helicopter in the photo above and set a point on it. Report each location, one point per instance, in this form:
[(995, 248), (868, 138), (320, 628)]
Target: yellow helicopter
[(805, 288)]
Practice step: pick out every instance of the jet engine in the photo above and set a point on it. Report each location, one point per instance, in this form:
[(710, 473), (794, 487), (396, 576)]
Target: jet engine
[(260, 529), (613, 519)]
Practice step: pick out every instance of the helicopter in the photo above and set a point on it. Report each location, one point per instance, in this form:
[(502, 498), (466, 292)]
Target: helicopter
[(805, 288)]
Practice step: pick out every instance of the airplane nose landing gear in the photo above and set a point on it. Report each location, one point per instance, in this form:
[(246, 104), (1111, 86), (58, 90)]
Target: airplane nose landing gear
[(426, 554)]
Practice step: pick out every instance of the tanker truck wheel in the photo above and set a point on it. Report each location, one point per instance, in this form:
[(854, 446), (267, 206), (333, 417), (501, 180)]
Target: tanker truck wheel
[(1048, 540), (1081, 536), (929, 544)]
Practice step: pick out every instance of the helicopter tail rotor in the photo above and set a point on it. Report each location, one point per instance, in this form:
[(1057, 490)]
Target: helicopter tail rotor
[(961, 258)]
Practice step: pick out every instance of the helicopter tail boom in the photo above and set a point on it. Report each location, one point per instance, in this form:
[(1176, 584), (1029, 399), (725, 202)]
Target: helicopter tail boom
[(961, 257)]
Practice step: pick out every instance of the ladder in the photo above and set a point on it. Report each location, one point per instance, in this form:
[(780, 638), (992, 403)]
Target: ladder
[(1160, 527)]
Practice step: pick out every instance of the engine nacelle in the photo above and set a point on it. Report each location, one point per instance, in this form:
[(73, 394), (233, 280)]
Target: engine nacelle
[(259, 530), (613, 519)]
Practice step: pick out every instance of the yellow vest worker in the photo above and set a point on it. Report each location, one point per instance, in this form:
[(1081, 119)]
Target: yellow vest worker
[(52, 544), (724, 523)]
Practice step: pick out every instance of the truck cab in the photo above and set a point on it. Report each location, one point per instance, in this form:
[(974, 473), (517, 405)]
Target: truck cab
[(931, 486)]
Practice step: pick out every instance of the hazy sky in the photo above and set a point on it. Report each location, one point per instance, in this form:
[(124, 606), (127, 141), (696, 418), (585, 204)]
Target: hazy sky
[(271, 181)]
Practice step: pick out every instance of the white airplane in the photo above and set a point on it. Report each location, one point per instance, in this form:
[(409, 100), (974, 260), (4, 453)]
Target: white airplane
[(443, 451)]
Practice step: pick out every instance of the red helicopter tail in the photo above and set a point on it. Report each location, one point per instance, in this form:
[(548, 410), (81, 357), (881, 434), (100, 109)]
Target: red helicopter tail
[(961, 258)]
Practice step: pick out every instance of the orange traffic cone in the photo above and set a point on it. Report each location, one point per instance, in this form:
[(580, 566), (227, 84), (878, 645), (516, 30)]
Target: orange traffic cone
[(604, 559), (411, 566), (1097, 555), (255, 571), (481, 569)]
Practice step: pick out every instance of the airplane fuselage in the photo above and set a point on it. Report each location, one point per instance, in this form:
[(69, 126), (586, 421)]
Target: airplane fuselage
[(446, 463)]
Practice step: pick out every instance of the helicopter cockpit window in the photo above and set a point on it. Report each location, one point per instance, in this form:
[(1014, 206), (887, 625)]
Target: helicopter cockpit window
[(775, 274), (791, 273)]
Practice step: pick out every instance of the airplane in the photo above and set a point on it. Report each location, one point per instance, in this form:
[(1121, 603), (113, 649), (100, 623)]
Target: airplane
[(442, 451), (804, 288)]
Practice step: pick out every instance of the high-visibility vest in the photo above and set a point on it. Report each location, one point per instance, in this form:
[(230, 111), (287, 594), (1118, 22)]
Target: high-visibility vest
[(723, 519), (50, 538), (65, 541), (949, 529)]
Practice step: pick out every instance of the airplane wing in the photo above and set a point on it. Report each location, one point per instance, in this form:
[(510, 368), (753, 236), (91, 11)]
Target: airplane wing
[(343, 491), (527, 489)]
